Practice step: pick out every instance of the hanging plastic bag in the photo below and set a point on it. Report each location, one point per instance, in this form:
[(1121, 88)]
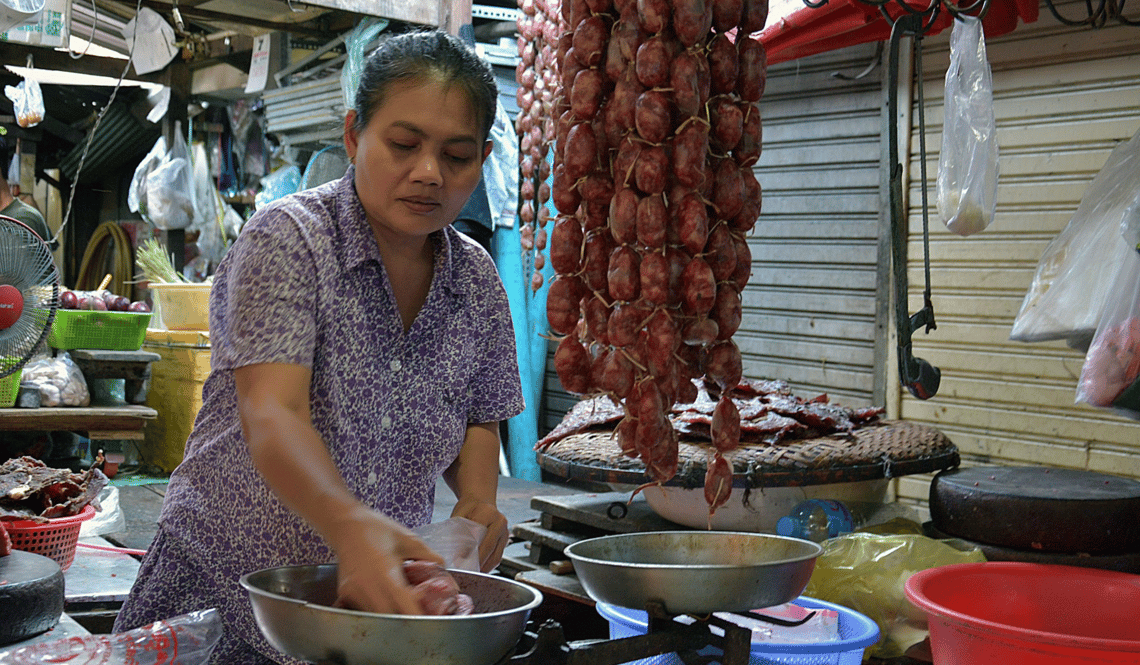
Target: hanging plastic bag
[(136, 195), (27, 101), (1110, 377), (1075, 272), (355, 45), (170, 188), (968, 162)]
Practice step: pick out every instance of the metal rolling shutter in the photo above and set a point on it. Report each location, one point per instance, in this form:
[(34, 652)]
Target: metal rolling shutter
[(810, 307), (1064, 97)]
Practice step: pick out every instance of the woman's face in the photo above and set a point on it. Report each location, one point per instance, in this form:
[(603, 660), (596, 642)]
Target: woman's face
[(418, 159)]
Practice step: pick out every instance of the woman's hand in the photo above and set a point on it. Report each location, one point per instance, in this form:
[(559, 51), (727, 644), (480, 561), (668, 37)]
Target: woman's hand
[(371, 550), (495, 541)]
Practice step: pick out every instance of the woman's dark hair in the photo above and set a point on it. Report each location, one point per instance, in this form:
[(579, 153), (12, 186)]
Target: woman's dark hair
[(416, 56)]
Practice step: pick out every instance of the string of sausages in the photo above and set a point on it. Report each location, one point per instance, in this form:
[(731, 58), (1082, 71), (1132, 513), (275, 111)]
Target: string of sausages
[(539, 26), (658, 127)]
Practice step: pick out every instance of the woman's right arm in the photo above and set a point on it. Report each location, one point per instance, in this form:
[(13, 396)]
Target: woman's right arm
[(273, 401)]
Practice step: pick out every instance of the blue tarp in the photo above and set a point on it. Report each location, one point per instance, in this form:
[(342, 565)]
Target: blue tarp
[(528, 310)]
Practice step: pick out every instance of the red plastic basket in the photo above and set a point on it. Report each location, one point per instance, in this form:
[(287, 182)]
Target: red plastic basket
[(56, 539)]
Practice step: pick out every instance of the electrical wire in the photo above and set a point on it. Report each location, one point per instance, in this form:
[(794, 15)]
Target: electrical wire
[(95, 260), (95, 127), (94, 26)]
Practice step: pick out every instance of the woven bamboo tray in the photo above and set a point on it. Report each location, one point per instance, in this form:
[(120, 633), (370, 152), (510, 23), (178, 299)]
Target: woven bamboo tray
[(887, 449)]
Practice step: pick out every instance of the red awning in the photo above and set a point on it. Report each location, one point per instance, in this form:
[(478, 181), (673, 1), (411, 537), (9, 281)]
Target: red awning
[(842, 23)]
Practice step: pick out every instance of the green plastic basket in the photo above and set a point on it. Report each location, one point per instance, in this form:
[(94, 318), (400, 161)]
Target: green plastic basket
[(87, 329), (10, 388)]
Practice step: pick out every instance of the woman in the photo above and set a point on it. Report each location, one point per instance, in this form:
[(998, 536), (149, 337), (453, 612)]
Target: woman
[(361, 347)]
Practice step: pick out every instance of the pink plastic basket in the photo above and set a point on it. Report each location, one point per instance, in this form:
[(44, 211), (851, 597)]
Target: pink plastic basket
[(56, 540)]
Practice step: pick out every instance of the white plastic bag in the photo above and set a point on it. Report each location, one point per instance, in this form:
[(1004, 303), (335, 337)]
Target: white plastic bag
[(968, 162), (136, 195), (109, 519), (1110, 377), (170, 187), (1076, 270), (27, 101)]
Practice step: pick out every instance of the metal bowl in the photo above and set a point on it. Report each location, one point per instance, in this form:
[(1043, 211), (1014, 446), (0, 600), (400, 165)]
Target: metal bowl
[(694, 572), (292, 607)]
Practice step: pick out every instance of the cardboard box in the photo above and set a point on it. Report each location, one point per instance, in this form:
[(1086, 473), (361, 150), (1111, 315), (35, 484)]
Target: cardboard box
[(175, 391)]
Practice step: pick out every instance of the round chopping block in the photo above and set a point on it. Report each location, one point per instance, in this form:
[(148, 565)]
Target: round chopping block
[(1038, 509), (31, 595)]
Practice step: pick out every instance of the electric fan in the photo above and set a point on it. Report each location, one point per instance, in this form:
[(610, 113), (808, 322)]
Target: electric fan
[(325, 165), (29, 294)]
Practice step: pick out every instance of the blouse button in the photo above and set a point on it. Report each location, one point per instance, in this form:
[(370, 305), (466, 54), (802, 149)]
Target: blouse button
[(385, 422), (395, 365)]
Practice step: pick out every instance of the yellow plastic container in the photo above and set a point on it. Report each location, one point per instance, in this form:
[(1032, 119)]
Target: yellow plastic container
[(175, 391), (182, 306)]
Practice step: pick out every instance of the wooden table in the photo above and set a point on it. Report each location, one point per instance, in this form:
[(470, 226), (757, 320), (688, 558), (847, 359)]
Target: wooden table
[(101, 423)]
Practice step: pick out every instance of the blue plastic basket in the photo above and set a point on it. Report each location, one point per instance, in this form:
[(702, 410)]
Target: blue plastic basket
[(856, 633)]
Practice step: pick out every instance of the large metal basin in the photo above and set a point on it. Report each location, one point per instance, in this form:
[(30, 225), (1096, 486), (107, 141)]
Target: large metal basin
[(292, 607), (694, 572)]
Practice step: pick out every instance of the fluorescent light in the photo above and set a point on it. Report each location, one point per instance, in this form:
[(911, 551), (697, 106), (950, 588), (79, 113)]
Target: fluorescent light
[(55, 77)]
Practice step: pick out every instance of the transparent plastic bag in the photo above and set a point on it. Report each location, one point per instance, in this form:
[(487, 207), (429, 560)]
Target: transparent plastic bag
[(355, 46), (1075, 272), (59, 380), (187, 639), (136, 195), (456, 540), (27, 102), (285, 180), (866, 572), (968, 162), (1110, 377), (170, 187)]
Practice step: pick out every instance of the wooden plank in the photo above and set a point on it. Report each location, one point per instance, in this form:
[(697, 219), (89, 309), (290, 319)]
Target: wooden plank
[(83, 418), (104, 435), (423, 12), (612, 512)]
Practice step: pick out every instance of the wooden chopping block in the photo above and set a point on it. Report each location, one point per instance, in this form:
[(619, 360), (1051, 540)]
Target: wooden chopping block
[(1038, 509), (31, 595)]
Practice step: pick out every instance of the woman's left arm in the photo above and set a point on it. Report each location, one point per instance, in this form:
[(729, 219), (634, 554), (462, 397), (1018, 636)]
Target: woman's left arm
[(474, 478)]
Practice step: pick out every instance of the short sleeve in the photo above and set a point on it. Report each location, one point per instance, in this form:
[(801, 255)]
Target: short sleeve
[(496, 390), (264, 296)]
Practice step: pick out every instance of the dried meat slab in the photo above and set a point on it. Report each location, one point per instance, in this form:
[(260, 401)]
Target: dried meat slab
[(31, 489), (586, 415)]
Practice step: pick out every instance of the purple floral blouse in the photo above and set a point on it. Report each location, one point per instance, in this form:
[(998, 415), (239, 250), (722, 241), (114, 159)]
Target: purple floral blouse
[(304, 284)]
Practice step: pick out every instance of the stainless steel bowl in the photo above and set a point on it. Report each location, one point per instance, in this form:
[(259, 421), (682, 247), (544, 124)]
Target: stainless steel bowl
[(694, 572), (292, 607)]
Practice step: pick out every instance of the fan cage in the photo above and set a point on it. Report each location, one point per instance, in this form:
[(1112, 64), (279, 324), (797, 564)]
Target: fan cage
[(26, 263)]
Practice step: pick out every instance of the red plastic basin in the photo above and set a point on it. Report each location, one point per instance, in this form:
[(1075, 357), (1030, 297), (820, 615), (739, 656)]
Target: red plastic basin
[(1009, 613)]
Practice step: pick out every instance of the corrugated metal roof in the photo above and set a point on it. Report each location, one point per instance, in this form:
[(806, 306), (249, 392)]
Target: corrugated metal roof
[(120, 138)]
